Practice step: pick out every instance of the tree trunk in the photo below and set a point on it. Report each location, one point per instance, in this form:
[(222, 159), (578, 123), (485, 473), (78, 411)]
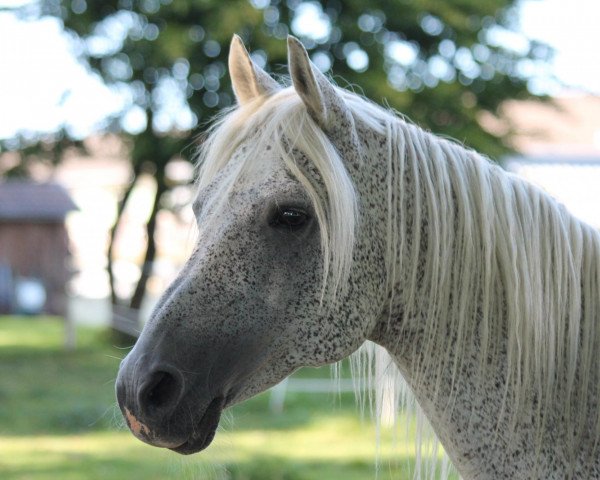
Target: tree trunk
[(140, 289), (114, 300)]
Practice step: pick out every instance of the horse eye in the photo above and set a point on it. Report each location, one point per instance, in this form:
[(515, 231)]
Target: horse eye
[(291, 218)]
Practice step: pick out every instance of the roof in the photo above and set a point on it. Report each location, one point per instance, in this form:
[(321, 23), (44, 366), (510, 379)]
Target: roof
[(22, 200), (569, 125)]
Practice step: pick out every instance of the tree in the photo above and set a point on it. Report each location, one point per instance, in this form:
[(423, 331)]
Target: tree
[(441, 63)]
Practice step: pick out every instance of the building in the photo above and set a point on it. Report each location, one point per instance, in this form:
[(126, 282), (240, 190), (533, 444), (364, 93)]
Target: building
[(34, 246), (559, 145)]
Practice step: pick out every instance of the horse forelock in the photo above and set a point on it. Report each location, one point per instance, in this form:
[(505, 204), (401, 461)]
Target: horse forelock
[(282, 123)]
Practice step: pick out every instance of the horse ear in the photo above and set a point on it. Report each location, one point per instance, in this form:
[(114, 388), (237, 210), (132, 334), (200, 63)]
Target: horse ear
[(248, 79), (315, 90)]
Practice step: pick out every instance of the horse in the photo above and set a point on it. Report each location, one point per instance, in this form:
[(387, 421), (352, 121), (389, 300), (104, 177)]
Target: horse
[(326, 221)]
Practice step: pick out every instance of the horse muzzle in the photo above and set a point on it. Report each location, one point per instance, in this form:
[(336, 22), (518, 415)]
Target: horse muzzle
[(159, 412)]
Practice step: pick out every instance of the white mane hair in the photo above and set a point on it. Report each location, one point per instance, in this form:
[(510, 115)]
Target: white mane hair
[(487, 246)]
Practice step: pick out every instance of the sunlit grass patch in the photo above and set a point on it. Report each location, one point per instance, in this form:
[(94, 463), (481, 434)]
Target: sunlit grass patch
[(59, 420)]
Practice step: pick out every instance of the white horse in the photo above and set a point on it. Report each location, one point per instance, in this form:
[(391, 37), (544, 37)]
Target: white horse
[(324, 221)]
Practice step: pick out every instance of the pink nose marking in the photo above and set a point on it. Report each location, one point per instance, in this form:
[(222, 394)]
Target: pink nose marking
[(143, 433), (135, 425)]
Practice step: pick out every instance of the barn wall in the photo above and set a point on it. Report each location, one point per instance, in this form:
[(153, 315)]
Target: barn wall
[(38, 250)]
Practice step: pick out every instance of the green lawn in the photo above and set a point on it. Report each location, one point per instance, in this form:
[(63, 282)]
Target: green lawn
[(59, 420)]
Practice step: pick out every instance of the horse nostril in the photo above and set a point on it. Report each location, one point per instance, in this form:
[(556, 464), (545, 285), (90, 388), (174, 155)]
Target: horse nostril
[(161, 393)]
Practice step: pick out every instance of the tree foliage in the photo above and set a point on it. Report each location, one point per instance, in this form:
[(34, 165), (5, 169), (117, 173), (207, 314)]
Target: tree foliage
[(441, 63)]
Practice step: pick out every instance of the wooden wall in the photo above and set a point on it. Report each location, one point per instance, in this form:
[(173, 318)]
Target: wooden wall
[(38, 250)]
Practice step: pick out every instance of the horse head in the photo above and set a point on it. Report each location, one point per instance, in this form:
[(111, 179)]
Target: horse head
[(268, 287)]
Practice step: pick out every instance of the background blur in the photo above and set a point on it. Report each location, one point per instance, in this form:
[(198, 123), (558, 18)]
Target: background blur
[(101, 106)]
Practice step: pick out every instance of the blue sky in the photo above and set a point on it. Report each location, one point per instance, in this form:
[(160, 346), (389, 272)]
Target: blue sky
[(38, 67)]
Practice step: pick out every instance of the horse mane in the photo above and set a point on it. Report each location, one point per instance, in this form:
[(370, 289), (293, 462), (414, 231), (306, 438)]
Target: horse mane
[(478, 245)]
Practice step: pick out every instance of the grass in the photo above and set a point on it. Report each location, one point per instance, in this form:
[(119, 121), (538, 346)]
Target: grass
[(59, 420)]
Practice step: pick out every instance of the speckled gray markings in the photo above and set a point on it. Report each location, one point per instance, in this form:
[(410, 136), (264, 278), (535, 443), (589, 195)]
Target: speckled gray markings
[(246, 310)]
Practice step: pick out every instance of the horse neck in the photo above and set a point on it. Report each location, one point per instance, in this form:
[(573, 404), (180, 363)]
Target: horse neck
[(479, 265)]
